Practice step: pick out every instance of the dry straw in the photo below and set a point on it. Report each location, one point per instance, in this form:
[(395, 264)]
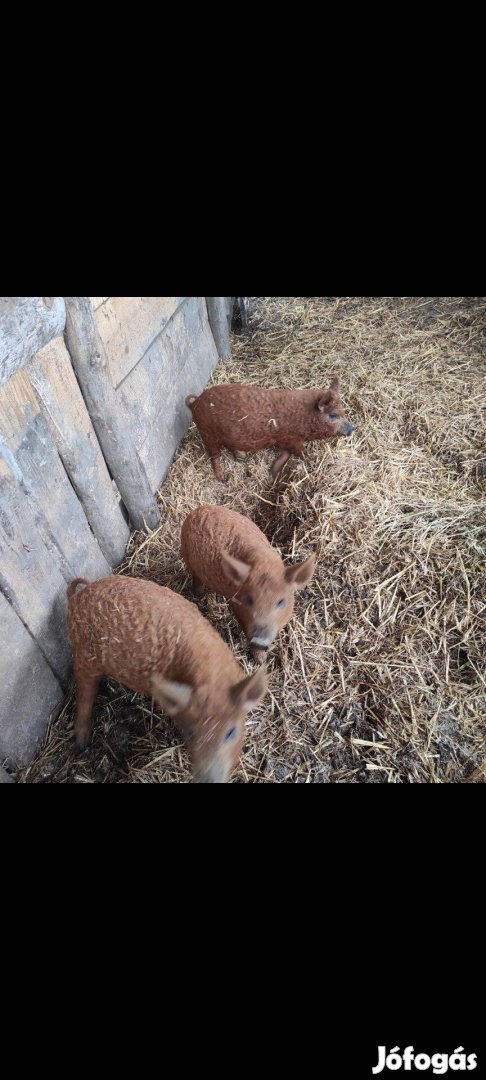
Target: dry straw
[(380, 677)]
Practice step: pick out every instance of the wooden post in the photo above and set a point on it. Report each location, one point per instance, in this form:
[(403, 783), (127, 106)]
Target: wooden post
[(218, 321), (240, 311), (106, 410), (56, 387)]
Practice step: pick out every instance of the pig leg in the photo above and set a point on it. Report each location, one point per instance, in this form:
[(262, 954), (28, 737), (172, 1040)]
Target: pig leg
[(214, 451), (297, 449), (279, 463), (216, 463), (197, 587), (86, 690)]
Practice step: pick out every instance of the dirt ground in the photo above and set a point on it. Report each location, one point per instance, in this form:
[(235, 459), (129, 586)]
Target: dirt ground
[(380, 676)]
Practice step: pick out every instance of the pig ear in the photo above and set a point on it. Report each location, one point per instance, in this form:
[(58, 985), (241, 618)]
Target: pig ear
[(328, 396), (173, 696), (247, 693), (238, 571), (324, 401), (302, 573)]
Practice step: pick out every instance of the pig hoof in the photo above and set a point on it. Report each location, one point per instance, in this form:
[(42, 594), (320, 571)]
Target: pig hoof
[(81, 745), (259, 655)]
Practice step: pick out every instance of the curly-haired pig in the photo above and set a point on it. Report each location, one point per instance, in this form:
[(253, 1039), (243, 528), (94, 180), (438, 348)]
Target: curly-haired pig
[(157, 643), (246, 418), (229, 554)]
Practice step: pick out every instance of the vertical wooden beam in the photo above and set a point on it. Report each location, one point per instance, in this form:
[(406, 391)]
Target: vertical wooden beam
[(56, 387), (240, 312), (31, 575), (110, 423), (218, 321)]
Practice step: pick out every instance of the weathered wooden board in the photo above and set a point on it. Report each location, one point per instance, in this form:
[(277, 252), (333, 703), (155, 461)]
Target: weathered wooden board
[(29, 578), (59, 513), (29, 691), (45, 538), (128, 326), (42, 478), (57, 389), (238, 311), (230, 305), (110, 420), (97, 301), (27, 323), (178, 363)]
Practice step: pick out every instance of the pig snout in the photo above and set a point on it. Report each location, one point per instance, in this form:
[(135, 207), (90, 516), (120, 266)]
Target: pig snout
[(217, 773), (262, 636), (346, 428)]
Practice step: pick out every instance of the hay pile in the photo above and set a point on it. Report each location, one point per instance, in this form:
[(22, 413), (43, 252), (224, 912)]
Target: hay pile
[(380, 677)]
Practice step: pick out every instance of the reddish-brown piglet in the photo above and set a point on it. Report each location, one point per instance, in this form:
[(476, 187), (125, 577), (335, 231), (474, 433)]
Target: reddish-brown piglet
[(157, 643), (248, 418), (229, 554)]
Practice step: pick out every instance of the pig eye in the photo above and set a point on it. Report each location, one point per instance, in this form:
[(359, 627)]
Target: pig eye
[(333, 416), (230, 734), (280, 603), (248, 600)]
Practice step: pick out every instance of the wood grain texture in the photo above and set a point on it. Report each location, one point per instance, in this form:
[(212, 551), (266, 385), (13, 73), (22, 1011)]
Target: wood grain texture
[(45, 538), (112, 422), (128, 326), (218, 311), (27, 323), (29, 691), (178, 363), (56, 387)]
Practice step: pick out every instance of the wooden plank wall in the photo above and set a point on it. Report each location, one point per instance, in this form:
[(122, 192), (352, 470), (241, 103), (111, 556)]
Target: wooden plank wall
[(29, 691), (57, 390), (45, 537), (27, 323), (129, 325), (172, 354)]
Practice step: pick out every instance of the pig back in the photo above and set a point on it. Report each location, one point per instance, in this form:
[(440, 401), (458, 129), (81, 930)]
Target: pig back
[(129, 628), (241, 416), (209, 530)]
